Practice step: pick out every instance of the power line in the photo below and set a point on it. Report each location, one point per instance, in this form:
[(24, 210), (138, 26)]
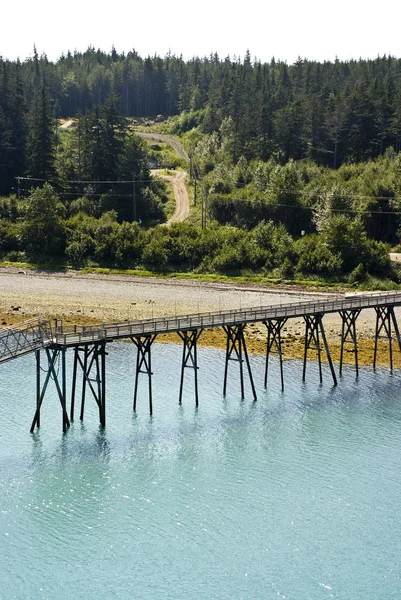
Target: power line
[(82, 194), (242, 185), (86, 181), (341, 210), (313, 192)]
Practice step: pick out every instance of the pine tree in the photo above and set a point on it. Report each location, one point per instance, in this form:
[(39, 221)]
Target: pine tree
[(5, 132), (19, 123), (41, 143)]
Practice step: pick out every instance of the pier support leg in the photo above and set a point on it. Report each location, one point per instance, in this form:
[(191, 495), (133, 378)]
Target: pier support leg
[(74, 382), (190, 358), (52, 354), (384, 317), (348, 334), (38, 402), (143, 364), (313, 331), (274, 328), (236, 343), (91, 358), (63, 397)]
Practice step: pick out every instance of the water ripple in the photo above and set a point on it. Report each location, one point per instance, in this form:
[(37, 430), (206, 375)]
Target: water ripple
[(294, 496)]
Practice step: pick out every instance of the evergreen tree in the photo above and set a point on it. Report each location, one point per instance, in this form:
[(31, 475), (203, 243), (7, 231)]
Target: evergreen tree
[(41, 142), (5, 153)]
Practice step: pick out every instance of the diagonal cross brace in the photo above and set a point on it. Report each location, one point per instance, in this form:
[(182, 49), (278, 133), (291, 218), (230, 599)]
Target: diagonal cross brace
[(52, 355), (94, 359), (385, 316), (190, 357), (274, 327), (348, 334), (143, 364), (313, 331), (236, 344)]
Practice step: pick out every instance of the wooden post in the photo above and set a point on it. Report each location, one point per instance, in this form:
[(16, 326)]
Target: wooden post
[(64, 390), (236, 343), (84, 370), (143, 359), (74, 382), (103, 386), (348, 330), (274, 328), (313, 329), (38, 387), (384, 317), (189, 358)]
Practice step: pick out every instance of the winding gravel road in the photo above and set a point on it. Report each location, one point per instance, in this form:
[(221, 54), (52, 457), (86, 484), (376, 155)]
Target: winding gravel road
[(180, 194), (177, 180), (164, 138)]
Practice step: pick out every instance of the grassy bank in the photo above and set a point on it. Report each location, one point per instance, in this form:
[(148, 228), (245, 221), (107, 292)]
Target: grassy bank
[(371, 284), (254, 279)]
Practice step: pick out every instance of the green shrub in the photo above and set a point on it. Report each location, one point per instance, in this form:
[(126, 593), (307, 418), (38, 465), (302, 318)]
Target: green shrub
[(376, 258), (316, 258), (358, 275)]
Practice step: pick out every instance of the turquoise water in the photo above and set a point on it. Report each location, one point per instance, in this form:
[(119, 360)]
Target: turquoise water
[(296, 496)]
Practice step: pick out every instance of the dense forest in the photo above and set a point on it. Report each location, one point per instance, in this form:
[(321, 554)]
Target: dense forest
[(282, 151), (331, 112)]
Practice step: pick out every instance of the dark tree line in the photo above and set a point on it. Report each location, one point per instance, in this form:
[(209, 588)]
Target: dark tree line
[(331, 112), (98, 148), (101, 160)]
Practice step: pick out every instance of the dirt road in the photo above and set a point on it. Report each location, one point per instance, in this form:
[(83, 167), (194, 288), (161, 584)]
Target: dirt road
[(180, 194), (66, 124), (181, 197), (164, 138)]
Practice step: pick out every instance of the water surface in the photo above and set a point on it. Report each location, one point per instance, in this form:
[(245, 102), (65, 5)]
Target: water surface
[(295, 496)]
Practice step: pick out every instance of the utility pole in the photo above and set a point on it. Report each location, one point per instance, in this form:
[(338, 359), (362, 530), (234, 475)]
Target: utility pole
[(195, 174), (335, 153), (204, 196), (190, 165), (134, 195), (79, 150), (18, 187)]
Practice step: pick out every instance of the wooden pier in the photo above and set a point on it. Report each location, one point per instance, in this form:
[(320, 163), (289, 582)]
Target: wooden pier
[(51, 341)]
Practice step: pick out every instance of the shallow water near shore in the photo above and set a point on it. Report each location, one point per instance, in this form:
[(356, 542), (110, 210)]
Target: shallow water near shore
[(294, 496)]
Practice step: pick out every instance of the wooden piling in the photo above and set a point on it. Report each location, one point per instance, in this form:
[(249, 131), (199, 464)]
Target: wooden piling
[(236, 344)]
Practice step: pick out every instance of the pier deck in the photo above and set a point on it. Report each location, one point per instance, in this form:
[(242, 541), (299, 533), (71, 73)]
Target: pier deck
[(71, 335)]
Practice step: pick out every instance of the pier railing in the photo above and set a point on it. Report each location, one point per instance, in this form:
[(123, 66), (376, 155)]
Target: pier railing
[(38, 333), (25, 337), (77, 334)]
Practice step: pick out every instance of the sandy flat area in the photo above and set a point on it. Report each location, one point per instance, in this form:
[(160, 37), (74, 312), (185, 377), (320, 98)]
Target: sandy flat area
[(120, 297), (71, 295)]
